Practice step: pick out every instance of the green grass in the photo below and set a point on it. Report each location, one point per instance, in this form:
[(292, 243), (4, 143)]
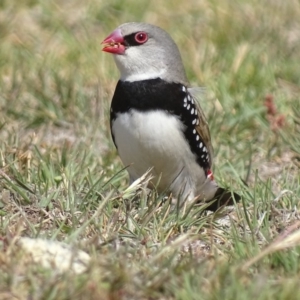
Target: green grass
[(61, 178)]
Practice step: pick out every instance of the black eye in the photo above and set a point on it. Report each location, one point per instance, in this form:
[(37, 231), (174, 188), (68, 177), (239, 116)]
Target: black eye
[(141, 37)]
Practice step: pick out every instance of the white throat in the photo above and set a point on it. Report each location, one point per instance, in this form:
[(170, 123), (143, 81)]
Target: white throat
[(150, 74), (134, 67)]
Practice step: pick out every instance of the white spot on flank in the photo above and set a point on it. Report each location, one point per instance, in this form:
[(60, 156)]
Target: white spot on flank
[(185, 104), (188, 107), (194, 121), (185, 100), (192, 111), (200, 145), (189, 97), (193, 101), (184, 88), (194, 131), (197, 138), (197, 123), (204, 149)]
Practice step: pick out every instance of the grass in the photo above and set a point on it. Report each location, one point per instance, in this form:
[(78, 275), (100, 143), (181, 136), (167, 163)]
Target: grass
[(61, 178)]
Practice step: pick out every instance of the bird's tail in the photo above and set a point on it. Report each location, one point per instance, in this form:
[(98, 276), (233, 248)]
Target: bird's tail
[(223, 198)]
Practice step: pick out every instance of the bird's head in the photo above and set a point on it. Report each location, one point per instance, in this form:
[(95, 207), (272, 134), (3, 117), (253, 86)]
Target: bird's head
[(143, 51)]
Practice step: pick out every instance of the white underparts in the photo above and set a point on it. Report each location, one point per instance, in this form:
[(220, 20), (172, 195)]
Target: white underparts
[(155, 139)]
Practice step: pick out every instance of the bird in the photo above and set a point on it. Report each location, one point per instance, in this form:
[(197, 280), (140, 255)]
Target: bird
[(156, 121)]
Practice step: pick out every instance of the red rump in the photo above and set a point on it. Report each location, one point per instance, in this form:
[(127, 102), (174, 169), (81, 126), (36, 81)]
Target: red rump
[(210, 175)]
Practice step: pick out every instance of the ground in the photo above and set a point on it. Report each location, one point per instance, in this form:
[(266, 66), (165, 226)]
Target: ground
[(61, 179)]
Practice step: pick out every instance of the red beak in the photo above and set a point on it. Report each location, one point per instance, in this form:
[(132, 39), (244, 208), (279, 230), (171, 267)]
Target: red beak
[(114, 43)]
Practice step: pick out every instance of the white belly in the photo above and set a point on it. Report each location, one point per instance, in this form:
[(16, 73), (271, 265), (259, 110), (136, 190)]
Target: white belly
[(154, 139)]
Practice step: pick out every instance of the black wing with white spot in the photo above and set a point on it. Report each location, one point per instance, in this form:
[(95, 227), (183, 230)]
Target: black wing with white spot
[(196, 131)]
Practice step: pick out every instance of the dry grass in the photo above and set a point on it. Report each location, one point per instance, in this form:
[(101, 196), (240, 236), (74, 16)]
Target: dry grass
[(61, 180)]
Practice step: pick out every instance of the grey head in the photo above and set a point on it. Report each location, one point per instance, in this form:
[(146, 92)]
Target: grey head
[(144, 51)]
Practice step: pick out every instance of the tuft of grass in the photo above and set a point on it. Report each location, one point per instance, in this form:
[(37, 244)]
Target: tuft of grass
[(61, 179)]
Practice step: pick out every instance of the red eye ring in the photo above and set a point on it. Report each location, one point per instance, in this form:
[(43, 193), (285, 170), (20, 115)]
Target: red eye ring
[(141, 37)]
